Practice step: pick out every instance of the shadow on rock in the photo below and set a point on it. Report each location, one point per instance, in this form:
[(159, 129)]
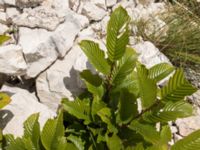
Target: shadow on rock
[(5, 117), (73, 83)]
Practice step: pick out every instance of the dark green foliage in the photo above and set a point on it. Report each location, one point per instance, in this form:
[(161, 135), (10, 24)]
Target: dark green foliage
[(107, 115)]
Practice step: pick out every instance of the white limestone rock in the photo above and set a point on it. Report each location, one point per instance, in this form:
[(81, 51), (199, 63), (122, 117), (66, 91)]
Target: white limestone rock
[(64, 35), (3, 28), (93, 12), (11, 60), (149, 55), (41, 48), (110, 3), (62, 79), (12, 12), (22, 105), (40, 17), (38, 48), (9, 2), (189, 125)]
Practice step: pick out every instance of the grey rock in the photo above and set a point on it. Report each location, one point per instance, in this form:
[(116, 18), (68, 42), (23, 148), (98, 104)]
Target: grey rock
[(28, 3)]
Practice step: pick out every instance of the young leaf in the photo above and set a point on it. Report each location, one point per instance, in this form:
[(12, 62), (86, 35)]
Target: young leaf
[(127, 107), (16, 144), (53, 130), (139, 147), (93, 83), (147, 87), (117, 34), (78, 108), (165, 134), (124, 67), (77, 141), (4, 100), (4, 38), (95, 56), (32, 130), (177, 88), (160, 71), (114, 142), (148, 132), (105, 115), (191, 142)]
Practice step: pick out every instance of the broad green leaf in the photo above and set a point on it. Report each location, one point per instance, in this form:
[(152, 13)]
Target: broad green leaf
[(4, 99), (53, 130), (117, 34), (4, 38), (147, 87), (106, 116), (147, 131), (124, 67), (32, 130), (97, 105), (16, 144), (191, 142), (77, 141), (170, 112), (139, 147), (93, 83), (114, 142), (160, 71), (78, 108), (62, 144), (95, 56), (177, 88), (127, 107), (130, 83), (165, 134)]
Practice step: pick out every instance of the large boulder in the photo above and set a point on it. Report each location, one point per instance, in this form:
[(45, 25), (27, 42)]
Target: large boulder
[(22, 105)]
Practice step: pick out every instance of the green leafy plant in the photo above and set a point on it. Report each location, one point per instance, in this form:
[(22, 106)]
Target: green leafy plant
[(121, 106), (106, 116)]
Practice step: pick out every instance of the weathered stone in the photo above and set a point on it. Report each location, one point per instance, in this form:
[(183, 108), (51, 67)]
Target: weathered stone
[(62, 79), (45, 47), (11, 60), (188, 125), (28, 3), (110, 3), (23, 105), (149, 54), (93, 12), (38, 48), (9, 2), (40, 17), (12, 12)]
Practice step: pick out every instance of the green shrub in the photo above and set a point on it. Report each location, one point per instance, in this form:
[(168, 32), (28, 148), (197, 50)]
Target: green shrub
[(107, 115)]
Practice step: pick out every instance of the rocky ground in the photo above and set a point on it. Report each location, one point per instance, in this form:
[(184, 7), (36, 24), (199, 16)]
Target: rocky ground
[(41, 63)]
